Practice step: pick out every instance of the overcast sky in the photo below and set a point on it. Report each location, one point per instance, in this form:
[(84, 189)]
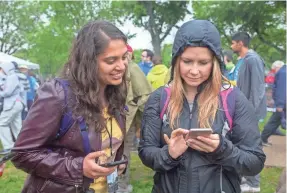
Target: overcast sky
[(143, 39)]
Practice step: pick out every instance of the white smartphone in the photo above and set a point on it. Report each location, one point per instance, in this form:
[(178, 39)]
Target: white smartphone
[(193, 133)]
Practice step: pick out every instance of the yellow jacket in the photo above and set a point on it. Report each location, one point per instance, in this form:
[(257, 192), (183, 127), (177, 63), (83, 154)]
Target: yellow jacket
[(156, 75)]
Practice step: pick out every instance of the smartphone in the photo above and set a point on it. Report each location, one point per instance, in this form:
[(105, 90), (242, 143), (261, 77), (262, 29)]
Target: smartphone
[(112, 164), (6, 158), (193, 133)]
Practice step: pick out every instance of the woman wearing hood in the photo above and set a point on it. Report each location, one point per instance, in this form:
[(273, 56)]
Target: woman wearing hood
[(211, 163)]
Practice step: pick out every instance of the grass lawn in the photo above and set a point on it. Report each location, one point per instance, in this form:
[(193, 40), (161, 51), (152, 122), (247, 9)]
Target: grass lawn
[(141, 177)]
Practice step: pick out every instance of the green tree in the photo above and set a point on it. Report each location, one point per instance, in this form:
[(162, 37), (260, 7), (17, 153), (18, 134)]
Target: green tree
[(265, 21), (17, 19), (158, 18), (50, 45), (166, 54)]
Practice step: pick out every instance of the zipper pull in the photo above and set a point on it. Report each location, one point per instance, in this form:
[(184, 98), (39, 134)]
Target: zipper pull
[(76, 188)]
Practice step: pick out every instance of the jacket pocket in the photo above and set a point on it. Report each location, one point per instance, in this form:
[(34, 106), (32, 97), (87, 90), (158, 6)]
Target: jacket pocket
[(50, 186)]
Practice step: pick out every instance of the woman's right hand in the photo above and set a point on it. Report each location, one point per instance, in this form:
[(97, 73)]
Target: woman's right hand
[(177, 142), (92, 170)]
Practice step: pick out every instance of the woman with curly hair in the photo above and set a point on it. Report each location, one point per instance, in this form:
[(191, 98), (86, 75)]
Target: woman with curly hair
[(89, 95)]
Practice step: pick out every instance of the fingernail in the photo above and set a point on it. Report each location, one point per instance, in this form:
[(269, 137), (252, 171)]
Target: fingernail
[(199, 138)]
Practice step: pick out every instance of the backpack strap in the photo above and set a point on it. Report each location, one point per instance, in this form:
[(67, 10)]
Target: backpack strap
[(67, 120), (85, 135), (228, 104), (164, 99)]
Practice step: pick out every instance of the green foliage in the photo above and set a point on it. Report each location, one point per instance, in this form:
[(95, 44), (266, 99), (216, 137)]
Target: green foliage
[(17, 20), (50, 45), (263, 20), (137, 55), (166, 54)]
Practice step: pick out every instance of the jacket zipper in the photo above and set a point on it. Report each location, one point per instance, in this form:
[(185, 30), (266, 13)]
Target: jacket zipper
[(192, 110), (76, 186)]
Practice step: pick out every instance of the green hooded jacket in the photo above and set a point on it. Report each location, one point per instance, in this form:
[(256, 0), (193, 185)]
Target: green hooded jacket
[(139, 90)]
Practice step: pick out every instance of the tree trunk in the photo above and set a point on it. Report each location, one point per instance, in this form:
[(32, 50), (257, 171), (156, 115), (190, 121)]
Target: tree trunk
[(156, 45), (152, 28)]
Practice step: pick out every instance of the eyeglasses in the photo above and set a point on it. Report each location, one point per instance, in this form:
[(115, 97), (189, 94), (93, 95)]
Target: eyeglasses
[(144, 56)]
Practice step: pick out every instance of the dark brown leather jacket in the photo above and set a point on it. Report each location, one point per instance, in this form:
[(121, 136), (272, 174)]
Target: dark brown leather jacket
[(54, 166)]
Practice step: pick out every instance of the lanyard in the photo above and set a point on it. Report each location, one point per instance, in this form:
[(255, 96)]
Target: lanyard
[(110, 134)]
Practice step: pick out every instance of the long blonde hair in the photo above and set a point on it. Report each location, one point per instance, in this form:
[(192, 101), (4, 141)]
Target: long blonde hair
[(208, 99)]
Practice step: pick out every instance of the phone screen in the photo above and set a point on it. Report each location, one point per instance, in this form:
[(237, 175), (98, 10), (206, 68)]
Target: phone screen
[(193, 133)]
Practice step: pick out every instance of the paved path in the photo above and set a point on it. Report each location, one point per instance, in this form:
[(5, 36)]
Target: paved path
[(276, 154)]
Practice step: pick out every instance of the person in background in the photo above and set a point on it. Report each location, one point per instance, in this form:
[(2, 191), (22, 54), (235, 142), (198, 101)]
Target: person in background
[(249, 76), (269, 80), (228, 59), (25, 88), (279, 96), (270, 77), (146, 63), (157, 74), (37, 78), (10, 117), (139, 90), (33, 85), (210, 163)]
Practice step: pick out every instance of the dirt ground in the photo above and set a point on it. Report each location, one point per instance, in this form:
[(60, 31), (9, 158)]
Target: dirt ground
[(276, 154)]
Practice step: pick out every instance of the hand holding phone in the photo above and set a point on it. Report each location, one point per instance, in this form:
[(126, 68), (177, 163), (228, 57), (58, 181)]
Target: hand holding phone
[(93, 170), (206, 143)]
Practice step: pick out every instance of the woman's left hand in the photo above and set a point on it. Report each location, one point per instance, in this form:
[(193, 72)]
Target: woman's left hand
[(206, 144), (121, 169)]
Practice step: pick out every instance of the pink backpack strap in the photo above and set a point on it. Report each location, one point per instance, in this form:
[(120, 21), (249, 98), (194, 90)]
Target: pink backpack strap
[(224, 96), (164, 99)]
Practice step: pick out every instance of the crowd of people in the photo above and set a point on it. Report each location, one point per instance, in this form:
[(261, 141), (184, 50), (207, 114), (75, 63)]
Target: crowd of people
[(83, 124)]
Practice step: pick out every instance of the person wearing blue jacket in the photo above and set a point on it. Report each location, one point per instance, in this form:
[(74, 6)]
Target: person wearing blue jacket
[(32, 84), (146, 63), (279, 96)]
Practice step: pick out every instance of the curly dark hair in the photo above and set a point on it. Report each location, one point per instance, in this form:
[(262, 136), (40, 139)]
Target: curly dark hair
[(82, 71)]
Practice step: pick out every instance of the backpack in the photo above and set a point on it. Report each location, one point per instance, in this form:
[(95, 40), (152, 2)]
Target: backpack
[(228, 104), (24, 82)]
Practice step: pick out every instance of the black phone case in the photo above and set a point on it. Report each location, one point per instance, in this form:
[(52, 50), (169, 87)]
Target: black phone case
[(112, 164)]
